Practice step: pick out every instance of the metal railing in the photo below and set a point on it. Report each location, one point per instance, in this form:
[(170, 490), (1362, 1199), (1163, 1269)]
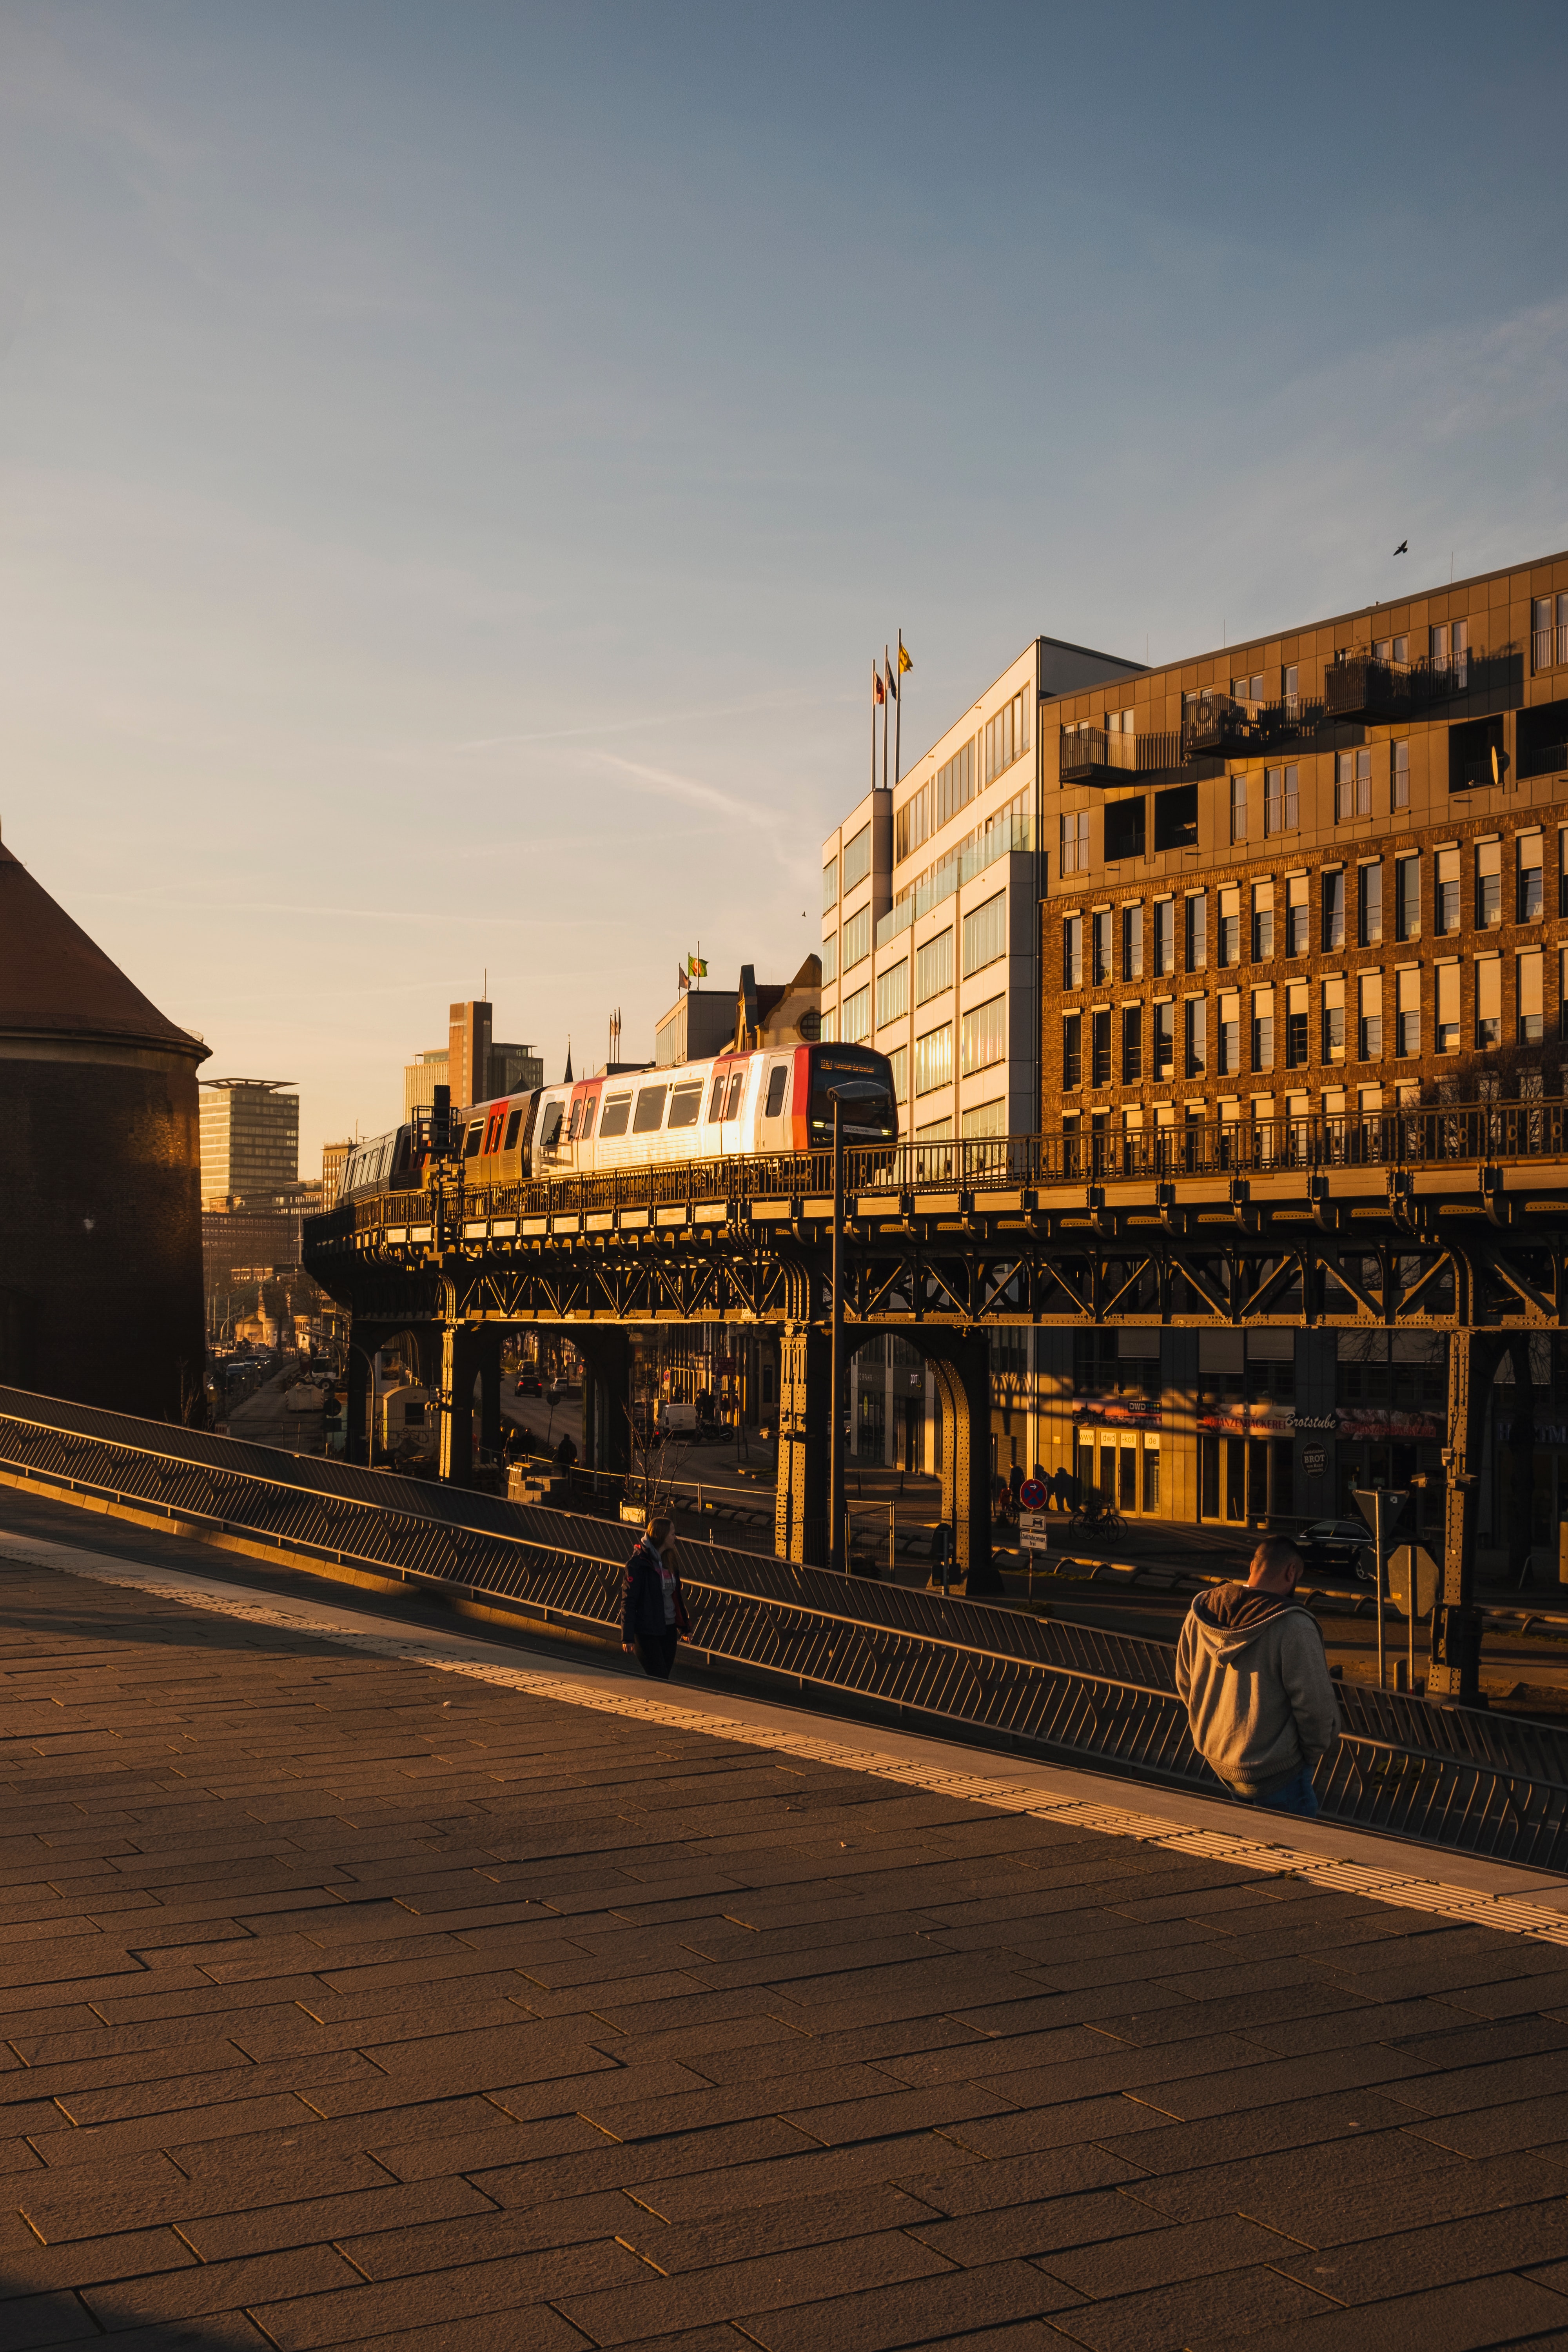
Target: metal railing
[(1407, 1136), (1076, 1693)]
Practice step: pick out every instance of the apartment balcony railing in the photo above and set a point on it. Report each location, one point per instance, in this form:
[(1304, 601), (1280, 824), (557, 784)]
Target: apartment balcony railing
[(1361, 687), (1541, 759), (1092, 755)]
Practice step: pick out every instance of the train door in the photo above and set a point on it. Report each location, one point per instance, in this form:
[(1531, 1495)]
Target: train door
[(734, 1139), (774, 1121)]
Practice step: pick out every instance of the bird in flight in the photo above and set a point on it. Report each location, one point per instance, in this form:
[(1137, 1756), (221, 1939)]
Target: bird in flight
[(1403, 548)]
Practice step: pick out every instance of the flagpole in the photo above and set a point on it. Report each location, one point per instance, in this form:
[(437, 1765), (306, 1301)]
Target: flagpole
[(873, 726), (899, 721), (885, 674)]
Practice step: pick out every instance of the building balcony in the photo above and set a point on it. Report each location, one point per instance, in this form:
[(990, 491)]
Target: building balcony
[(1375, 692), (1093, 756)]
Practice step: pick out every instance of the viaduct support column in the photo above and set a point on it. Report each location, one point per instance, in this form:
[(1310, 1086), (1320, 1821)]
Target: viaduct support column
[(962, 1381), (1454, 1671), (457, 1367), (606, 1357), (486, 1357), (800, 1497)]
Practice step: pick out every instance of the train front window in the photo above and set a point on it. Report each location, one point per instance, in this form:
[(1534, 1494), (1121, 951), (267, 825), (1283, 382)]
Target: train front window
[(737, 1088), (551, 1138), (867, 1103), (513, 1123), (778, 1080), (650, 1110), (716, 1105)]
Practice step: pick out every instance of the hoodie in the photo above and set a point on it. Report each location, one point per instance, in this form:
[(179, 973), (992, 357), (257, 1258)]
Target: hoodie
[(1251, 1671)]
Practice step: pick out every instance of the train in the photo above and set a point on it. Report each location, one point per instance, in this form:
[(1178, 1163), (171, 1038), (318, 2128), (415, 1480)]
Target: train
[(736, 1105)]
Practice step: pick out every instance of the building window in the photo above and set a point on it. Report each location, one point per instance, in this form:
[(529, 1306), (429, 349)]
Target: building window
[(1488, 1001), (1101, 937), (1072, 1051), (1229, 1032), (1369, 905), (1548, 631), (1333, 909), (830, 958), (1075, 843), (991, 1119), (857, 859), (1391, 649), (1289, 686), (950, 789), (1407, 1013), (1262, 922), (1165, 936), (933, 963), (828, 1033), (830, 885), (1532, 891), (1399, 775), (1447, 975), (1165, 1039), (1230, 927), (933, 1059), (899, 1063), (1197, 1038), (1282, 799), (1448, 652), (1007, 735), (1132, 942), (1369, 1035), (858, 938), (986, 934), (1197, 929), (893, 993), (1263, 1028), (1247, 690), (1489, 885), (1529, 983), (1238, 808), (982, 1036), (1296, 1020), (1073, 952), (1334, 1019), (1353, 785), (1132, 1044), (854, 1019), (1408, 898), (1099, 1047), (1447, 890), (1296, 915)]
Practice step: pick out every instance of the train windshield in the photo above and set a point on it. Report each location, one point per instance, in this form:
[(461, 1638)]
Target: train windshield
[(869, 1112)]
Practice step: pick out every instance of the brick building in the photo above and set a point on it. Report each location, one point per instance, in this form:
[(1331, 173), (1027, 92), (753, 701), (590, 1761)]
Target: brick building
[(1312, 875)]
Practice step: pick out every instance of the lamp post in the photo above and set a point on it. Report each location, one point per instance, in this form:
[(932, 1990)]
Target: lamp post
[(836, 1558)]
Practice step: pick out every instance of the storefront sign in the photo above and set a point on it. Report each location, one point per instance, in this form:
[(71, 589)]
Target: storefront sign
[(1231, 1417), (1314, 1461), (1379, 1423), (1116, 1412)]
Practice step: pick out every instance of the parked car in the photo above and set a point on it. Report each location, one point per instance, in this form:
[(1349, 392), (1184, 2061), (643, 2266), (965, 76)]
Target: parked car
[(1341, 1546), (529, 1384)]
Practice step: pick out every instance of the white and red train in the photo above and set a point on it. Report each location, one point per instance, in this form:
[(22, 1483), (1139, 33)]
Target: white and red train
[(737, 1106)]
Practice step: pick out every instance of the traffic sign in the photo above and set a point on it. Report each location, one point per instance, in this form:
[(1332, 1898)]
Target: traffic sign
[(1427, 1579), (1034, 1528), (1032, 1495), (1393, 1501)]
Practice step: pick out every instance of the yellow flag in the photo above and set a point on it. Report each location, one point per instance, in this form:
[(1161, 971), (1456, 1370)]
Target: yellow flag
[(905, 659)]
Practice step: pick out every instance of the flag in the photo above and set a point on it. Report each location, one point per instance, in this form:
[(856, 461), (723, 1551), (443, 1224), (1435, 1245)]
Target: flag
[(878, 696), (905, 660), (892, 683), (697, 966), (680, 979)]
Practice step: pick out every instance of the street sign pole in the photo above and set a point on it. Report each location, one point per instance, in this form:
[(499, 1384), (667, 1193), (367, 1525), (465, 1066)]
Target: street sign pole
[(1376, 1501)]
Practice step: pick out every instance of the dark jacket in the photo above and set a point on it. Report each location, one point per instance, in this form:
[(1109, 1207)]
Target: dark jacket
[(642, 1599), (1259, 1697)]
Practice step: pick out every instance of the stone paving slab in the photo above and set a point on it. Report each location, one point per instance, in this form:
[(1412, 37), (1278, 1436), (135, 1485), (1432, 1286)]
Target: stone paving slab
[(343, 2001)]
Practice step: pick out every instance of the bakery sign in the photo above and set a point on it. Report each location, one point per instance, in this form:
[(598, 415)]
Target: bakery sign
[(1116, 1412), (1233, 1417)]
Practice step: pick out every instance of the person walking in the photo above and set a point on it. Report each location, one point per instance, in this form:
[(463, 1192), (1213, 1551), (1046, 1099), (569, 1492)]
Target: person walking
[(1253, 1676), (653, 1608)]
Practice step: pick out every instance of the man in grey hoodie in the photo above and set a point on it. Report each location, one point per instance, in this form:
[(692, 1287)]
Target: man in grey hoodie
[(1251, 1671)]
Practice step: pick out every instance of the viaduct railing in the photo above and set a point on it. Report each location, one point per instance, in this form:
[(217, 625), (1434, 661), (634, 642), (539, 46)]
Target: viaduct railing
[(1449, 1776)]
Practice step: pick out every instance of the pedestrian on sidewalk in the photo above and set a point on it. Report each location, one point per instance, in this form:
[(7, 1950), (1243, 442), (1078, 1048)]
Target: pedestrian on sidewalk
[(1252, 1674), (653, 1608)]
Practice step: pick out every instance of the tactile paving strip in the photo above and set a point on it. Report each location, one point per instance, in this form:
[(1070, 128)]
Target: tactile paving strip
[(1509, 1913)]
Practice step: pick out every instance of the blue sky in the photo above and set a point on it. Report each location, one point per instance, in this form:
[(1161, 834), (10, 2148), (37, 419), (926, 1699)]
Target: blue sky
[(458, 464)]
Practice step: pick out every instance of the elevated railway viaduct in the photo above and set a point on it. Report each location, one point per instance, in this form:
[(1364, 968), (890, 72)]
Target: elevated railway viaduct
[(1452, 1218)]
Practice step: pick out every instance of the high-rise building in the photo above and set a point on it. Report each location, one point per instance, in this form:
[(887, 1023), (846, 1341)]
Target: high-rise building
[(421, 1076), (250, 1141), (472, 1063), (333, 1157)]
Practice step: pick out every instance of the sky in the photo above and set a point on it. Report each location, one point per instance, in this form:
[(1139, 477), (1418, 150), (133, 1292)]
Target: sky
[(458, 464)]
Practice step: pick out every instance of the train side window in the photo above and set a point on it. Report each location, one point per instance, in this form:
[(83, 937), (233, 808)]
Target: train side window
[(650, 1110), (778, 1080), (572, 1128), (590, 1105), (617, 1108), (684, 1106), (472, 1141), (513, 1123), (551, 1135), (716, 1104), (737, 1088)]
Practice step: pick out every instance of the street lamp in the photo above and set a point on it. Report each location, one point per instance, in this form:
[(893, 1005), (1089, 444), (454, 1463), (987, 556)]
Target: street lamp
[(836, 1558)]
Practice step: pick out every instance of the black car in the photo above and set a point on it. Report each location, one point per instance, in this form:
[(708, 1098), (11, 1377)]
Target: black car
[(1339, 1547), (529, 1384)]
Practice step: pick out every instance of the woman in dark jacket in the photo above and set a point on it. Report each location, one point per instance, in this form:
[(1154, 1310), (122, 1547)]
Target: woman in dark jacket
[(653, 1610)]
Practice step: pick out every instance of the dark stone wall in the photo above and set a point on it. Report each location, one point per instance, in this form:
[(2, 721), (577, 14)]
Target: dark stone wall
[(100, 1233)]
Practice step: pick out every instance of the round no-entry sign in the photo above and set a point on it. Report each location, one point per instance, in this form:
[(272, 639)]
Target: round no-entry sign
[(1032, 1493)]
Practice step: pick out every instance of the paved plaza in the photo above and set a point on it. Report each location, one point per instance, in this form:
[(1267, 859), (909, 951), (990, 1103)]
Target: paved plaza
[(350, 2000)]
